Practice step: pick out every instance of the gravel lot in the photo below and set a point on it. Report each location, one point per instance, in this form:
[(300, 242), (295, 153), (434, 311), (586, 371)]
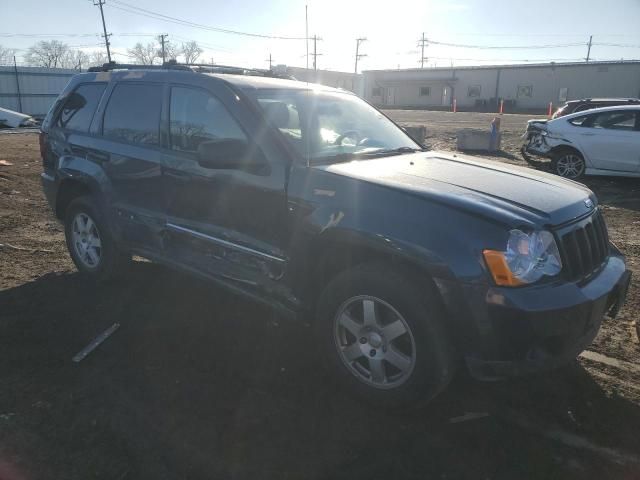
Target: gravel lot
[(198, 383)]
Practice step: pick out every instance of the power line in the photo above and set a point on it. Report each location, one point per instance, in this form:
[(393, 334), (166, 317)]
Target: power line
[(621, 45), (167, 18), (512, 47), (536, 60), (210, 46), (48, 35)]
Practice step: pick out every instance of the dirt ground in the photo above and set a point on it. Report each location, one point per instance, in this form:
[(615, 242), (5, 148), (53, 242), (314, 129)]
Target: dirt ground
[(198, 383)]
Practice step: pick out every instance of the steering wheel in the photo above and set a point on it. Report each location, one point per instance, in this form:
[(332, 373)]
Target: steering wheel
[(348, 134)]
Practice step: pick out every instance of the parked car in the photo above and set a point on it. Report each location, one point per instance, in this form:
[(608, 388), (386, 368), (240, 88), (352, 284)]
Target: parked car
[(310, 200), (604, 141), (575, 106)]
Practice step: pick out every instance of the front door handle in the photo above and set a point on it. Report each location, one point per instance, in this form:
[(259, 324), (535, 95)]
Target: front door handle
[(587, 134), (98, 156), (177, 175)]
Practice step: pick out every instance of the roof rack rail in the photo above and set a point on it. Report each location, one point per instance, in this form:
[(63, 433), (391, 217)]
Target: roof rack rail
[(193, 67), (106, 67)]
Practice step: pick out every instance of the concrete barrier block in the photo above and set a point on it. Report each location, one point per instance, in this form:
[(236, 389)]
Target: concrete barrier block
[(469, 139), (418, 133)]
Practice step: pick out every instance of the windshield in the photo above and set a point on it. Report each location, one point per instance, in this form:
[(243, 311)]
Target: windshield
[(332, 126)]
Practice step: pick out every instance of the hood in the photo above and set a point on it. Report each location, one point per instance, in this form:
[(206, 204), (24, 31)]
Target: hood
[(500, 191), (537, 124)]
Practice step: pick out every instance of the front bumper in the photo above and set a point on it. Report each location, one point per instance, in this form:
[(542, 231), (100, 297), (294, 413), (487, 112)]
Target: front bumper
[(536, 145), (532, 329)]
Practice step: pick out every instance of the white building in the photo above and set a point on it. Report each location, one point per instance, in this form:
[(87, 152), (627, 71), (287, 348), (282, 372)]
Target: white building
[(331, 78), (522, 87)]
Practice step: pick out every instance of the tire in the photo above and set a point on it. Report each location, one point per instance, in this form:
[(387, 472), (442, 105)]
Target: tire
[(90, 243), (568, 163), (364, 358)]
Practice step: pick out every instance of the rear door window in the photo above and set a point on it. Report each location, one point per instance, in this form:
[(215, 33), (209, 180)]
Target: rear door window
[(133, 113), (624, 120), (80, 106)]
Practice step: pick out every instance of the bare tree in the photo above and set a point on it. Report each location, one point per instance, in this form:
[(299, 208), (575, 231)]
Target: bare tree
[(171, 52), (191, 51), (47, 54), (97, 58), (6, 55), (144, 54), (75, 59)]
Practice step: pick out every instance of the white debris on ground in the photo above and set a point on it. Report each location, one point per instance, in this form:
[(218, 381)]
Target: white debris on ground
[(12, 119)]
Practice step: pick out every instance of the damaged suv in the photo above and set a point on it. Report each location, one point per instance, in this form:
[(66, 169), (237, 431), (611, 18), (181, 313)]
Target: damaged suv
[(309, 199)]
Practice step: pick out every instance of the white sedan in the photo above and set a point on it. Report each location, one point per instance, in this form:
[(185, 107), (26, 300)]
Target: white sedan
[(602, 141)]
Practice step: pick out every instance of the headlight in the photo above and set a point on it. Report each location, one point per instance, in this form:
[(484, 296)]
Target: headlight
[(527, 258)]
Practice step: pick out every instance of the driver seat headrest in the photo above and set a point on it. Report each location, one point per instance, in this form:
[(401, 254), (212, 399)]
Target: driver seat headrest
[(278, 114)]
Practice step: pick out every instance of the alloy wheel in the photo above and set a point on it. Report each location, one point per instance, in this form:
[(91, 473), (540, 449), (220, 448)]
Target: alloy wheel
[(86, 241), (570, 166), (374, 342)]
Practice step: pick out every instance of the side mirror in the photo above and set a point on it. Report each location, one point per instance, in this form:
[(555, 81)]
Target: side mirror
[(75, 101), (228, 154)]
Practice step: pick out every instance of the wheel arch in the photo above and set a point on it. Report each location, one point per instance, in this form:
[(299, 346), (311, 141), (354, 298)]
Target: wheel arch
[(566, 148), (70, 189), (336, 255)]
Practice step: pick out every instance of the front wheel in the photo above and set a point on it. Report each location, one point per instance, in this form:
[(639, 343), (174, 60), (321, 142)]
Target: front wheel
[(382, 337), (568, 164)]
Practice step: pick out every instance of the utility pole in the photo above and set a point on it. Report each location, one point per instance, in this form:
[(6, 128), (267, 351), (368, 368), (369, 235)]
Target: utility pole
[(15, 69), (270, 63), (99, 3), (315, 53), (358, 54), (589, 48), (422, 43), (162, 41), (306, 31)]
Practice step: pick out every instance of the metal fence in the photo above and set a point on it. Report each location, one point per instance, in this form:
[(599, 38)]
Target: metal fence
[(31, 90)]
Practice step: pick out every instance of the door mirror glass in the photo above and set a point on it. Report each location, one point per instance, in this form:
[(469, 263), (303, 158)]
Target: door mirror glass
[(75, 101)]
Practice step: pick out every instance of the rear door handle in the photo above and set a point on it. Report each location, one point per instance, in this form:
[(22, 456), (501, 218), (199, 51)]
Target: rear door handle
[(587, 134)]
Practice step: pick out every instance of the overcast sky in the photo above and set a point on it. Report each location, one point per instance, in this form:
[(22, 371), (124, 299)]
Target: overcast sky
[(392, 28)]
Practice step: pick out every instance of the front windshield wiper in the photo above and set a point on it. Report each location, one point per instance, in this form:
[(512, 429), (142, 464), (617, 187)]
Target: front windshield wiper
[(381, 152), (399, 150)]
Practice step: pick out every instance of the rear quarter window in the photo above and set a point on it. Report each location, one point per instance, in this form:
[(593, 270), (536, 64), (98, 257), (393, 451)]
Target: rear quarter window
[(133, 113), (80, 106)]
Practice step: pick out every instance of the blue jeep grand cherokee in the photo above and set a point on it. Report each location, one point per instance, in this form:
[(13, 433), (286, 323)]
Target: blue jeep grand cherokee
[(309, 199)]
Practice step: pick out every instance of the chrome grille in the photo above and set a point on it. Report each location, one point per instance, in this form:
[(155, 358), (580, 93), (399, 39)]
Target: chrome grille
[(585, 247)]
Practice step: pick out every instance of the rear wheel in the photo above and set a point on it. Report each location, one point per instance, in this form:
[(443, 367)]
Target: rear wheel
[(568, 164), (382, 337), (89, 241)]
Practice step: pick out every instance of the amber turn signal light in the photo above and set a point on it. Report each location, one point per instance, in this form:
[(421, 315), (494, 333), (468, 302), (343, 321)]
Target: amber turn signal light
[(499, 269)]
